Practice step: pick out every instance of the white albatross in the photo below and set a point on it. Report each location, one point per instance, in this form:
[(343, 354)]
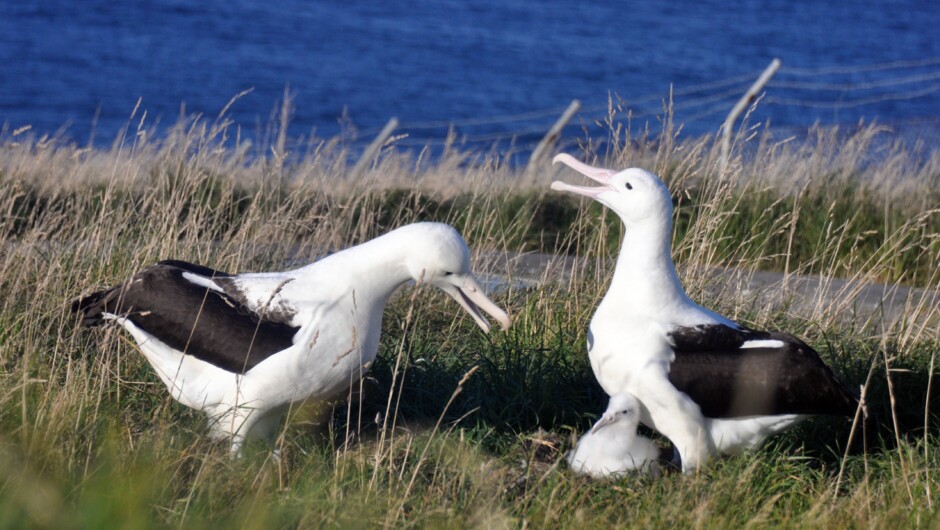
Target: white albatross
[(613, 447), (244, 347), (708, 384)]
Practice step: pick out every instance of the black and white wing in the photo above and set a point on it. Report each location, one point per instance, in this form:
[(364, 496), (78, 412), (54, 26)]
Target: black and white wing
[(735, 373), (195, 310)]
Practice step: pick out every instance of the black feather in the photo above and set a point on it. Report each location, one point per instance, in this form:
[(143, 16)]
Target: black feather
[(212, 326), (728, 381)]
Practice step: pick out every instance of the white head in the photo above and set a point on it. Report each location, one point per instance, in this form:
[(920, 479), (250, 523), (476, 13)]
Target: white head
[(634, 194), (438, 255), (623, 410)]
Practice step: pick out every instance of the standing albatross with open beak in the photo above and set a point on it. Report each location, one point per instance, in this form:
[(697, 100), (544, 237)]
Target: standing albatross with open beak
[(244, 347), (710, 385)]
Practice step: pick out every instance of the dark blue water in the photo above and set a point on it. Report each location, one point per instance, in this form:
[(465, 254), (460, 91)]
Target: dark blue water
[(78, 67)]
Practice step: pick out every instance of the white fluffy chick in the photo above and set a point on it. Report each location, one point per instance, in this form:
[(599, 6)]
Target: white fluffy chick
[(613, 447)]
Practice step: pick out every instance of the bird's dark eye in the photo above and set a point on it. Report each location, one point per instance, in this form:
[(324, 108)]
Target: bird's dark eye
[(625, 411), (447, 273), (629, 186)]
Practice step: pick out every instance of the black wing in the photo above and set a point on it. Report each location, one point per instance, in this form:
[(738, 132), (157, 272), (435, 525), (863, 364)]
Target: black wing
[(721, 371), (210, 325), (201, 270)]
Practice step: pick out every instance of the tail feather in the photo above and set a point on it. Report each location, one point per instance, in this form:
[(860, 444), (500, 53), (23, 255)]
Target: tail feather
[(92, 306)]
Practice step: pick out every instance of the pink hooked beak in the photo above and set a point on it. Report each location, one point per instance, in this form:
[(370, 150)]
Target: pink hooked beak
[(596, 174)]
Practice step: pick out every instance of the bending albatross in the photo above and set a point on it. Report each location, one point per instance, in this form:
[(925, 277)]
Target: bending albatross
[(244, 347), (705, 382)]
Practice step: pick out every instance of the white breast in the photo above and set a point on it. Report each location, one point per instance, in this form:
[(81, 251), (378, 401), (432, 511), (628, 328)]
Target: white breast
[(623, 350)]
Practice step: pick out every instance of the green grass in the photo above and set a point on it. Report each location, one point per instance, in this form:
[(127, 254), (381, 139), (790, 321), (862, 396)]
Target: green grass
[(454, 428)]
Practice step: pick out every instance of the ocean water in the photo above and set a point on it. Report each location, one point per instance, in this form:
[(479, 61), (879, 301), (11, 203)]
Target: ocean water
[(490, 70)]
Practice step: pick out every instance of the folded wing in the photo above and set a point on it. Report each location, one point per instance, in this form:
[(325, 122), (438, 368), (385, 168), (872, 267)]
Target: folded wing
[(735, 373), (197, 311)]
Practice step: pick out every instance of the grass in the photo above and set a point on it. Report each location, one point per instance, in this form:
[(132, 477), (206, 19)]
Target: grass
[(453, 428)]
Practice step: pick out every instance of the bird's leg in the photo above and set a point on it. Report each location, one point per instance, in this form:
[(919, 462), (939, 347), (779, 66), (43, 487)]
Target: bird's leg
[(265, 428), (232, 424), (236, 449), (678, 418)]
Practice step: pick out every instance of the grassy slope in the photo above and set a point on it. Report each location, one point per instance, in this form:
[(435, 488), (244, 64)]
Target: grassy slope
[(89, 438)]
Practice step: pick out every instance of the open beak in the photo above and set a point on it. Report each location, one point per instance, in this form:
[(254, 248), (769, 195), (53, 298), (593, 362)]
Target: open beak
[(470, 297), (596, 174), (605, 420)]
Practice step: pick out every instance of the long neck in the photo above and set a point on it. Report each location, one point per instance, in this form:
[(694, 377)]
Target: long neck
[(376, 268), (645, 277)]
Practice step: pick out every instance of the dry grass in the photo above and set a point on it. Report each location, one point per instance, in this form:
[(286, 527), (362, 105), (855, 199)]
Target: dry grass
[(453, 428)]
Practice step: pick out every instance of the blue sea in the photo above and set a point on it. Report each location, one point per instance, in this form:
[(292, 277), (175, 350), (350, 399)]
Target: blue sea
[(490, 71)]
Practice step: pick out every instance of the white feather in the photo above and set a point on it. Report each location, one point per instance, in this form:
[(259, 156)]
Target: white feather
[(337, 303), (630, 351), (613, 447), (202, 281), (766, 343)]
